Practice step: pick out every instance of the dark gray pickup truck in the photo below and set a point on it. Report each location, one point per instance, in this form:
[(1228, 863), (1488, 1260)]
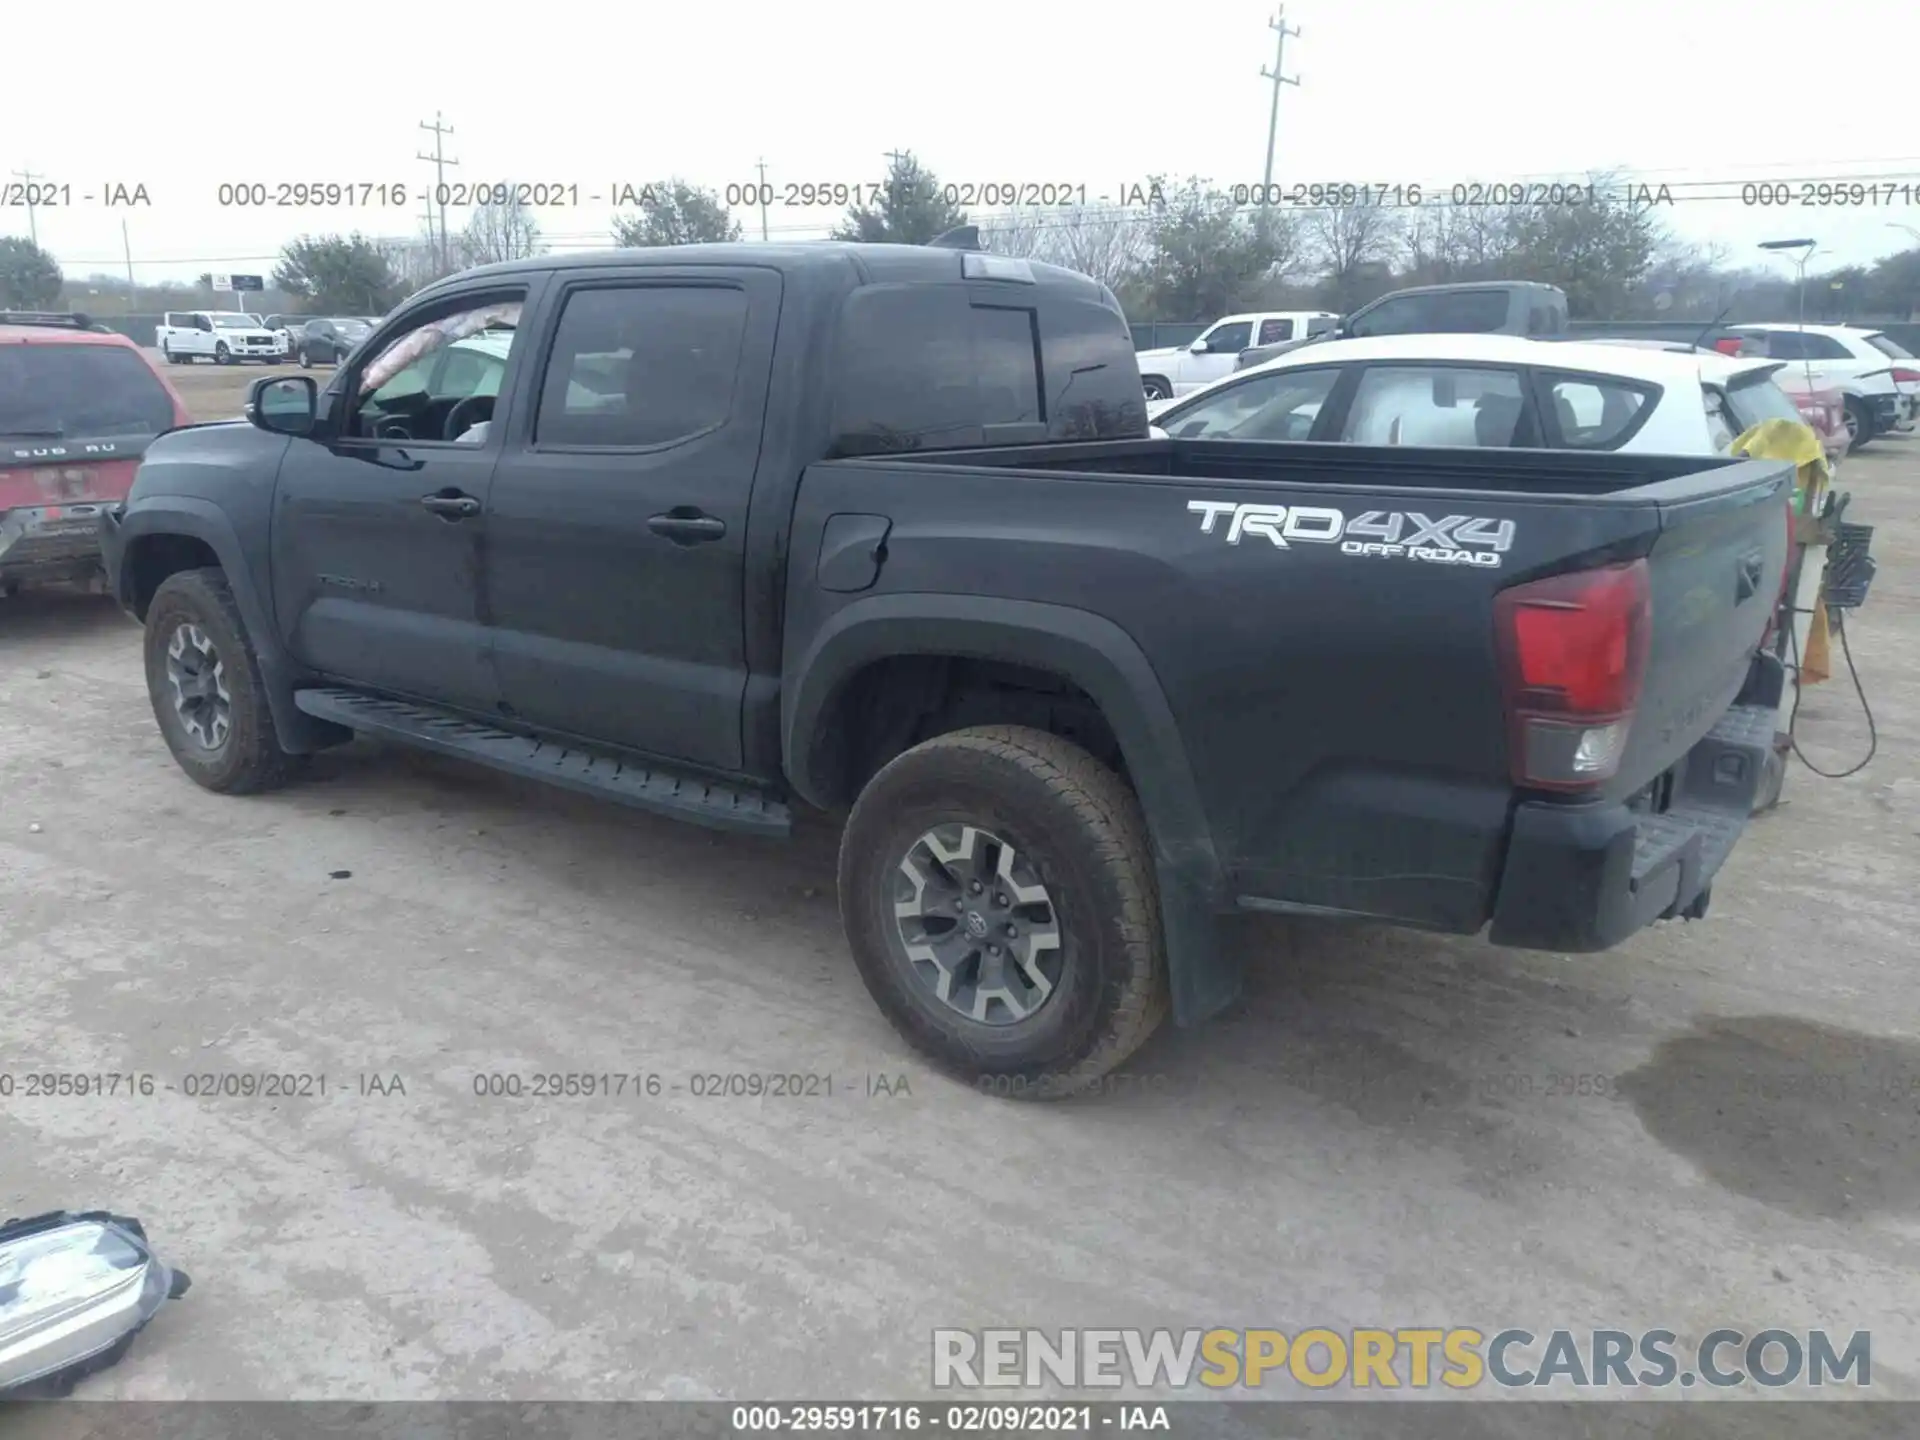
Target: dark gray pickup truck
[(717, 529)]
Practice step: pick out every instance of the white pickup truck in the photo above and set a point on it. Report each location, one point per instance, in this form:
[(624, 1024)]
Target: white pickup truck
[(1182, 369), (225, 336)]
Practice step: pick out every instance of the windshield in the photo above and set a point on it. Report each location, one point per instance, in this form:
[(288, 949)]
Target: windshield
[(74, 391), (1889, 348), (235, 322)]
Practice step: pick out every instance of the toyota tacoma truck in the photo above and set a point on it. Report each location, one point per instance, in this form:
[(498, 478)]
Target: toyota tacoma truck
[(718, 531)]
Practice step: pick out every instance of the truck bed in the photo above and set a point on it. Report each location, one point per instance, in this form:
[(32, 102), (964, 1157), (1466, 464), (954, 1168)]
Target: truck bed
[(1340, 696)]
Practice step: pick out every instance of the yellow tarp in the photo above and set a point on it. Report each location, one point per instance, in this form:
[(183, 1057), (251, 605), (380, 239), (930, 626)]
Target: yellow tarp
[(1795, 441)]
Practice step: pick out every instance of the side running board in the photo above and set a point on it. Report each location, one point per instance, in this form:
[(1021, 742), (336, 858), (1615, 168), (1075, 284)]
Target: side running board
[(712, 803)]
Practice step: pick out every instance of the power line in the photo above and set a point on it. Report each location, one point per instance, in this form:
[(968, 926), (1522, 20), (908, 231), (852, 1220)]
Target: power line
[(1281, 31)]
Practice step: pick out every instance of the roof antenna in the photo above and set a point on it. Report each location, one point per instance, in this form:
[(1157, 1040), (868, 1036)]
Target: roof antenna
[(961, 237), (1712, 325)]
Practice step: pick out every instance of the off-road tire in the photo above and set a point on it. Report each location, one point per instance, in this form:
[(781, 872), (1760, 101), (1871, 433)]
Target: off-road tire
[(250, 760), (1081, 828)]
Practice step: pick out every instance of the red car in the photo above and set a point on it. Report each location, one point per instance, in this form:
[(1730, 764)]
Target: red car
[(78, 407)]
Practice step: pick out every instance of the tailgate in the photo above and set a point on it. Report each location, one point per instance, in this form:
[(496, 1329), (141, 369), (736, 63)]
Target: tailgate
[(1715, 574)]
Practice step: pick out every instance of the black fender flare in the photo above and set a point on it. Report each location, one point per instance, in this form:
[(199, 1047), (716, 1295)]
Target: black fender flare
[(1104, 661), (206, 522)]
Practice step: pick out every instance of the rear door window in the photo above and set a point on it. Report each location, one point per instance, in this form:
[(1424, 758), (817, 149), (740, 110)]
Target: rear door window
[(642, 366), (72, 392), (1444, 405)]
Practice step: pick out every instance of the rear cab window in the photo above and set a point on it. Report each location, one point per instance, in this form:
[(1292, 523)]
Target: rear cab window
[(928, 366), (1272, 332), (70, 392)]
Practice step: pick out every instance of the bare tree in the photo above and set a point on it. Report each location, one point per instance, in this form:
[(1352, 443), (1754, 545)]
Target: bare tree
[(503, 229), (1106, 242), (1353, 244)]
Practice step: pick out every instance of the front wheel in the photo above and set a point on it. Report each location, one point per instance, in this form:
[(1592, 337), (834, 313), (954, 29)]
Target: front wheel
[(203, 680), (997, 889), (306, 358), (222, 355)]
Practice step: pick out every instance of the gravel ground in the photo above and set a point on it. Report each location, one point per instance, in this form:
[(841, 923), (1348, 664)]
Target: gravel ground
[(1392, 1129)]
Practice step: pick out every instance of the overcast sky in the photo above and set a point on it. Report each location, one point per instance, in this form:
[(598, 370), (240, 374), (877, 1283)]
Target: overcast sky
[(1685, 92)]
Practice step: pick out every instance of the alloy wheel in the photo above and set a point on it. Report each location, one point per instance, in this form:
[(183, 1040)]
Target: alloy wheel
[(979, 928), (198, 679)]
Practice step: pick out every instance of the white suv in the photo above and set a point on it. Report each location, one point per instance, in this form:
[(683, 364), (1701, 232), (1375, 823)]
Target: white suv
[(1878, 377), (224, 336), (1181, 369)]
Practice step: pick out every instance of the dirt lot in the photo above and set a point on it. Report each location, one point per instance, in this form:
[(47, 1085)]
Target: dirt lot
[(216, 392), (1716, 1124)]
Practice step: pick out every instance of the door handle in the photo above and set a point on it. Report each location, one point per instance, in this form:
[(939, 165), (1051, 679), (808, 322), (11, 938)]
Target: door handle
[(684, 525), (451, 505)]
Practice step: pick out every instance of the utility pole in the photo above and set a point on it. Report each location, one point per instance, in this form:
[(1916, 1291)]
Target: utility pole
[(762, 165), (439, 161), (1281, 30), (28, 176), (126, 248)]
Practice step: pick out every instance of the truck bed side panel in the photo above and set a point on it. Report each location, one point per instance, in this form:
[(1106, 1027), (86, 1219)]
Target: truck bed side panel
[(1341, 711)]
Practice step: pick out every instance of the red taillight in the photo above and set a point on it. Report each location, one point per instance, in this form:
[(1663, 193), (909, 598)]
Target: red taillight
[(1573, 652), (1907, 377), (1729, 345)]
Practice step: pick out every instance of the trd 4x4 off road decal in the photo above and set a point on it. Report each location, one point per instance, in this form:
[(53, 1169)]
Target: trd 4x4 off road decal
[(1385, 534)]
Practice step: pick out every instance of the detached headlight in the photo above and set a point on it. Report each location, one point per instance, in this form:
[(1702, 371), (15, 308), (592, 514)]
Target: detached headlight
[(74, 1291)]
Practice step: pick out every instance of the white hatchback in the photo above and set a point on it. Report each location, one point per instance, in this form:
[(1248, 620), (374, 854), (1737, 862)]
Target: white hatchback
[(1500, 391)]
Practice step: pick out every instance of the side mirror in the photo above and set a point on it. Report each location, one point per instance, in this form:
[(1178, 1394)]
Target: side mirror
[(283, 404), (1199, 347), (74, 1290)]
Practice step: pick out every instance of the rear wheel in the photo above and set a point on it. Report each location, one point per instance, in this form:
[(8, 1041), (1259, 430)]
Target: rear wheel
[(997, 889), (306, 358), (1156, 387), (1859, 424), (203, 680), (172, 359)]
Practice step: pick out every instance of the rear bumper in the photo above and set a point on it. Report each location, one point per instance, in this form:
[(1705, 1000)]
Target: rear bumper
[(50, 540), (1584, 877)]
